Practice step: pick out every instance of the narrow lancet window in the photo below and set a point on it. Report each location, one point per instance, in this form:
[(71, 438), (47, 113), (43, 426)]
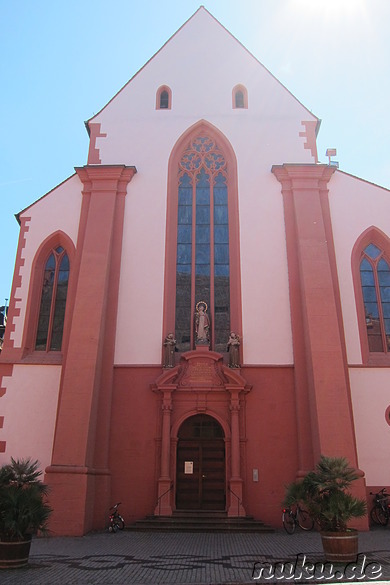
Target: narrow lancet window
[(53, 301), (375, 281)]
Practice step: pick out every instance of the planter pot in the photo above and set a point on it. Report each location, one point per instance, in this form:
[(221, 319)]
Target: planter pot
[(340, 547), (14, 555)]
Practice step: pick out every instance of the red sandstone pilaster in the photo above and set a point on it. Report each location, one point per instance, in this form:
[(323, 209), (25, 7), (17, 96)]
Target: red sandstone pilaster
[(323, 403), (236, 507), (79, 472)]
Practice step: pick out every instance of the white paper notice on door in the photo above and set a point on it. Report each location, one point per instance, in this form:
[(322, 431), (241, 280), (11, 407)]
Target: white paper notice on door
[(188, 467)]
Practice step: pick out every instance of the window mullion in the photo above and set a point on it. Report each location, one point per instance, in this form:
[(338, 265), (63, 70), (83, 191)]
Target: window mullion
[(380, 310), (212, 304), (53, 302), (193, 256)]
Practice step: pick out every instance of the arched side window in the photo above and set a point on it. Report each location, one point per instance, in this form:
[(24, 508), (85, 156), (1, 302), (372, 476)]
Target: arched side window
[(53, 301), (202, 253), (164, 98), (46, 325), (240, 97), (375, 281), (371, 267)]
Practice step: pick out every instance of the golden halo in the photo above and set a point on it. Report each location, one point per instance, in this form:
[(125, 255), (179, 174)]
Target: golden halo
[(201, 303)]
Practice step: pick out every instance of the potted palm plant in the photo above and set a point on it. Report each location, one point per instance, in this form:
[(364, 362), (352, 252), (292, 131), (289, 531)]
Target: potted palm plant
[(325, 493), (24, 510)]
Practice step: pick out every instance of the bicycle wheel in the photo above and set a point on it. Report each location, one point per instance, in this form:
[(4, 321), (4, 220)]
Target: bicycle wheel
[(288, 521), (379, 516), (119, 524), (304, 520)]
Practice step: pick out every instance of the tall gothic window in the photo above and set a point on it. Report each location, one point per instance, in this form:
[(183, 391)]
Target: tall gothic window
[(202, 260), (53, 301), (375, 281)]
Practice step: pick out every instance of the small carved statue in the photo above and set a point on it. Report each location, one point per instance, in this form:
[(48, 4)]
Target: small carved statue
[(233, 348), (169, 351), (202, 324)]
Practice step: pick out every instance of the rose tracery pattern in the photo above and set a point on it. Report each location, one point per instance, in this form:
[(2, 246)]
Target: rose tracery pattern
[(202, 152)]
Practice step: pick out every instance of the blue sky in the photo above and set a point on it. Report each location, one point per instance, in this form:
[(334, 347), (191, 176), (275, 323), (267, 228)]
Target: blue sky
[(62, 61)]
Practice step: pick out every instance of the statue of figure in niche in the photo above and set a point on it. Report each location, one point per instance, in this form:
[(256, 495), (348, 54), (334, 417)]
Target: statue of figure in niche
[(202, 324), (233, 348), (169, 351)]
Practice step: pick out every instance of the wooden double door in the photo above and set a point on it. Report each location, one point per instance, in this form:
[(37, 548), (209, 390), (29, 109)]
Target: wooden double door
[(200, 466)]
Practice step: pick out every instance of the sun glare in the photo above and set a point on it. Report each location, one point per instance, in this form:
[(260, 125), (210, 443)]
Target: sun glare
[(331, 9)]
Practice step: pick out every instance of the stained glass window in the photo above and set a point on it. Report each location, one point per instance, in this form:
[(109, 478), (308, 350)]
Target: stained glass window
[(53, 301), (375, 281), (202, 264)]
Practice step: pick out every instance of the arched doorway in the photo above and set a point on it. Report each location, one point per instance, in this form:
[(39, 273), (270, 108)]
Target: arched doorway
[(200, 469)]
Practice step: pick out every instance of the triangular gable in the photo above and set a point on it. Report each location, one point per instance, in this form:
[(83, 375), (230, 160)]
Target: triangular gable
[(201, 12)]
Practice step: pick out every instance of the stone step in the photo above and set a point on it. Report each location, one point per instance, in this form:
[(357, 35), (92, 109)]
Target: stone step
[(199, 522)]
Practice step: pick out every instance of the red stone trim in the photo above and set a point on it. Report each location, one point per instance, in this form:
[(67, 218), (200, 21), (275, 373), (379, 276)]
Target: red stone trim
[(202, 127), (364, 366), (94, 152), (371, 235), (5, 371), (158, 96), (310, 133), (244, 90), (8, 352), (315, 314), (81, 441), (58, 238), (194, 411)]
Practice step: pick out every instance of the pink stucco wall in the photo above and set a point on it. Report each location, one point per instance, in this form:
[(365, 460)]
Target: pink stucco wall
[(353, 212), (370, 400), (58, 210), (138, 134), (29, 407)]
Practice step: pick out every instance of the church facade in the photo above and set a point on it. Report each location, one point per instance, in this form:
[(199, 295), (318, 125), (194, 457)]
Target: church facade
[(203, 309)]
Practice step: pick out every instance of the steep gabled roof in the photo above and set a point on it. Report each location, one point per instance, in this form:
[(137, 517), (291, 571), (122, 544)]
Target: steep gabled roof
[(201, 10)]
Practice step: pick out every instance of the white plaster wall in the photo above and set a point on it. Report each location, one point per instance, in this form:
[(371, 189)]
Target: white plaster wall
[(58, 210), (370, 399), (355, 205), (29, 406), (201, 76)]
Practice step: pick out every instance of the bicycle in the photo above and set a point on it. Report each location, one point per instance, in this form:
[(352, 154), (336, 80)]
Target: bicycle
[(292, 517), (116, 520), (380, 512)]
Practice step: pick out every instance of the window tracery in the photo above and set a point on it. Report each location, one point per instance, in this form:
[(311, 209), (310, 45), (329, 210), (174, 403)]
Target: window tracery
[(202, 261), (375, 283), (53, 301)]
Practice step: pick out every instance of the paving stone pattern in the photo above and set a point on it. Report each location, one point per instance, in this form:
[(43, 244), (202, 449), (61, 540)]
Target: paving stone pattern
[(147, 558)]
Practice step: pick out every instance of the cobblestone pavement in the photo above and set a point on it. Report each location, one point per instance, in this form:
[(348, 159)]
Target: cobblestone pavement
[(151, 558)]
